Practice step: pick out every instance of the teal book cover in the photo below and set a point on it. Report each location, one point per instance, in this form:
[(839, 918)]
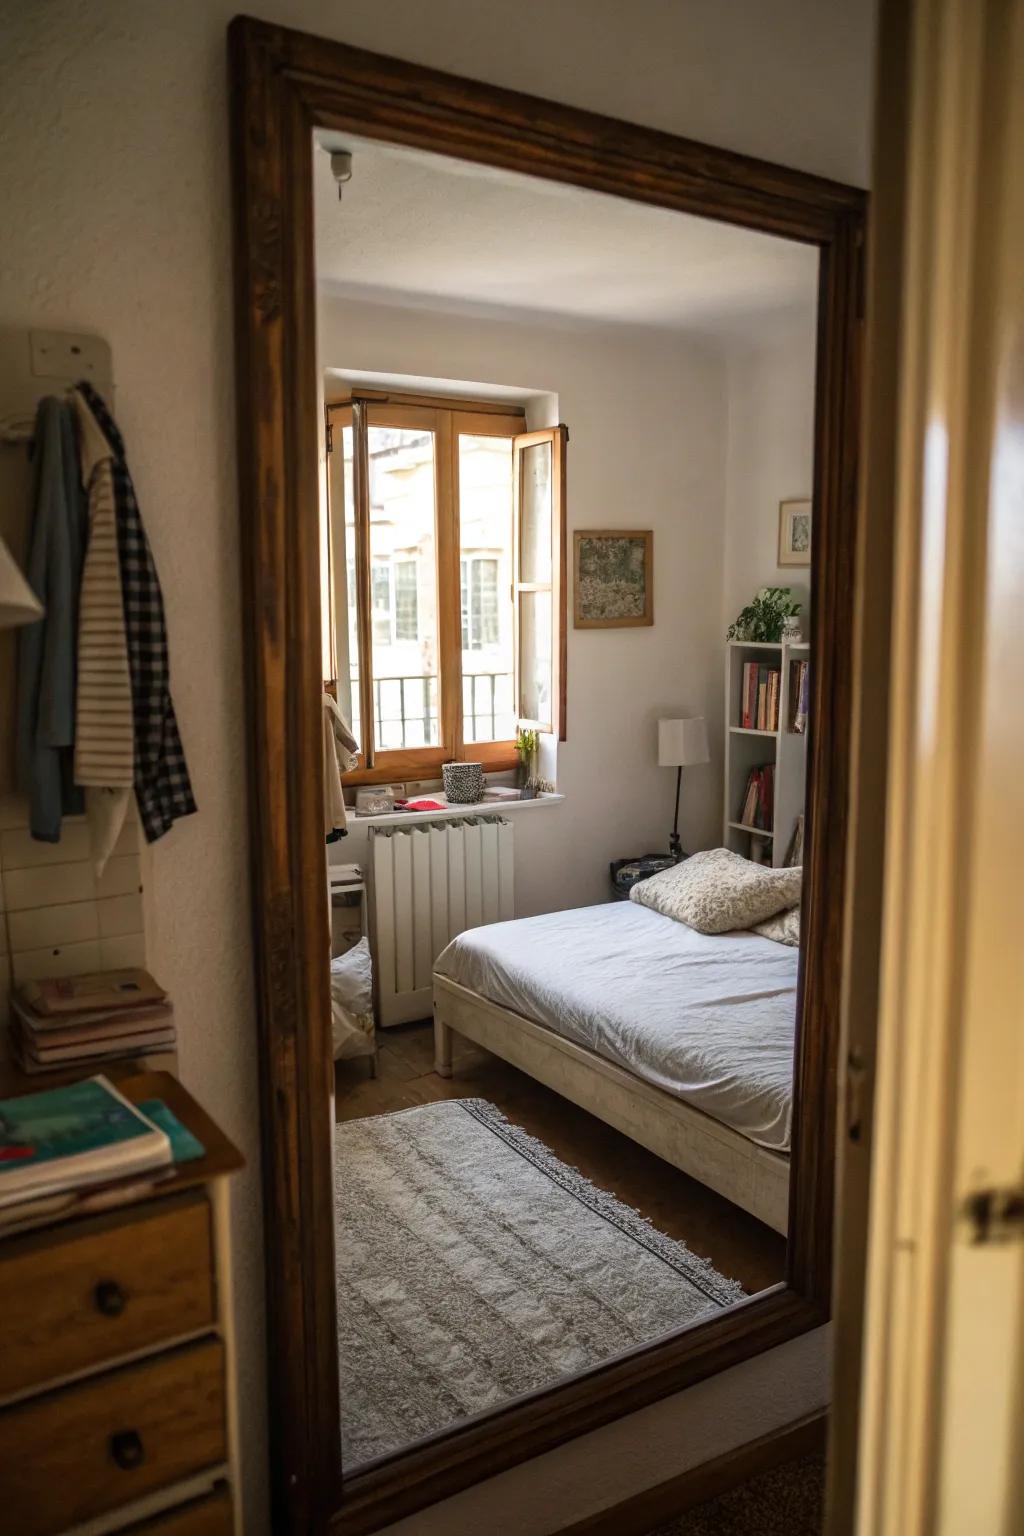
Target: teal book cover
[(185, 1147), (64, 1122)]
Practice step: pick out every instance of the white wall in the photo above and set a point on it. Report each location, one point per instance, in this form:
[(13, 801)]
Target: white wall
[(769, 456), (646, 415), (115, 189)]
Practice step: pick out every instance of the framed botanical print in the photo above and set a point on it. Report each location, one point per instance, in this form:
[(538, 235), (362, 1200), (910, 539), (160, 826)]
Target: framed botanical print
[(795, 532), (613, 585)]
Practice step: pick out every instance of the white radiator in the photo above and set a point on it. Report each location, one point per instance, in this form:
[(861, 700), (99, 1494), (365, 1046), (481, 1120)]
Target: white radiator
[(430, 882)]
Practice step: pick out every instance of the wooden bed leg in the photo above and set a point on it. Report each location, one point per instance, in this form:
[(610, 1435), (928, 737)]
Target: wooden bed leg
[(442, 1048)]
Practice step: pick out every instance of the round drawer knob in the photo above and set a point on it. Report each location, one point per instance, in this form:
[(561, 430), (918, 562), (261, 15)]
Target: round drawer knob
[(127, 1449), (109, 1298)]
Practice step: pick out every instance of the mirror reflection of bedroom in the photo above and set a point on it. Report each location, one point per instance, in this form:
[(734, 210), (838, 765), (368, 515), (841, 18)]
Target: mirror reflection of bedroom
[(566, 544)]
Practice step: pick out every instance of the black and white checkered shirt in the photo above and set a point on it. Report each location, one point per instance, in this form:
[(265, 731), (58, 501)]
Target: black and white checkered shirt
[(162, 786)]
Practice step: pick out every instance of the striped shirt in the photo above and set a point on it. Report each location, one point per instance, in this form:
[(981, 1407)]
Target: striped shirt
[(163, 790), (104, 726)]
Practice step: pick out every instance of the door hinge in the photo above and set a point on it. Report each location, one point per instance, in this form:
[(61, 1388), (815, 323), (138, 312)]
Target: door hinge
[(994, 1215), (330, 437)]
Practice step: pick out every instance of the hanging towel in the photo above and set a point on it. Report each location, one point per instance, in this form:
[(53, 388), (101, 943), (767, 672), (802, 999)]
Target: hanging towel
[(104, 736), (163, 789), (45, 718), (340, 756)]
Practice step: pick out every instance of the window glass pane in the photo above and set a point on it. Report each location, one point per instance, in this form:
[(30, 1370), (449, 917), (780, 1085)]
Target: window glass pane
[(343, 558), (380, 603), (406, 600), (535, 656), (404, 564), (464, 590), (485, 602), (485, 537), (535, 513)]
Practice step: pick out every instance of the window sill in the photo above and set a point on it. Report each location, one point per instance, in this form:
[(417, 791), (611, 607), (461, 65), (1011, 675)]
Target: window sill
[(453, 812)]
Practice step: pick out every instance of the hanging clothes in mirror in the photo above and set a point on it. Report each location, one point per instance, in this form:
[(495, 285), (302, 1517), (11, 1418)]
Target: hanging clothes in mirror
[(45, 717), (159, 772)]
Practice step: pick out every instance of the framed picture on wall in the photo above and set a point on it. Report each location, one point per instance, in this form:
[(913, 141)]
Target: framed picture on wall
[(613, 585), (795, 532)]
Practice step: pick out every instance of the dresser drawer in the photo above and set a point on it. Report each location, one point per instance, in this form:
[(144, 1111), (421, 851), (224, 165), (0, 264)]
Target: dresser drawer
[(88, 1448), (80, 1294), (210, 1516)]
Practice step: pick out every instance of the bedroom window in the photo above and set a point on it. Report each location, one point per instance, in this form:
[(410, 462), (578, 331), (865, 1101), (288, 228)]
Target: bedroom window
[(444, 551)]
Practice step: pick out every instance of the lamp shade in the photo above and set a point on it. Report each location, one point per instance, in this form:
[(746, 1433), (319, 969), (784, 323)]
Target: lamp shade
[(682, 743), (18, 603)]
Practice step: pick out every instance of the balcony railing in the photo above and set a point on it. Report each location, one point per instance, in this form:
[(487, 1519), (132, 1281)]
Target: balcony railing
[(405, 709)]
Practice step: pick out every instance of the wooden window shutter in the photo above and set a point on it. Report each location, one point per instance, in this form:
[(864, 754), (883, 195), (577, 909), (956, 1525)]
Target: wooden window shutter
[(539, 580)]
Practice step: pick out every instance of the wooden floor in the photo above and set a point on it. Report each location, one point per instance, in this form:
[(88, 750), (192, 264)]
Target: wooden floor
[(736, 1244)]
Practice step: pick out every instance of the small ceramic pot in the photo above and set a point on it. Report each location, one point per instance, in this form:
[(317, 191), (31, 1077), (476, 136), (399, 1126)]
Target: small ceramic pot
[(463, 783)]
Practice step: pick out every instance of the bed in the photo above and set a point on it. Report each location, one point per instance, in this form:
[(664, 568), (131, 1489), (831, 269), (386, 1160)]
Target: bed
[(682, 1040)]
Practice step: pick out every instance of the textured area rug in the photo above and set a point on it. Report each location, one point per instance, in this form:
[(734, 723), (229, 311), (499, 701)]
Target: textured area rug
[(475, 1266)]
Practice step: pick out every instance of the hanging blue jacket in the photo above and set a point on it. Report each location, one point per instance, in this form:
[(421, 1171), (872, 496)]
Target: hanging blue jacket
[(45, 720)]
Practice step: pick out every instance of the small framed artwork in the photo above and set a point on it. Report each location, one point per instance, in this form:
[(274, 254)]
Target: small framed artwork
[(613, 584), (795, 532)]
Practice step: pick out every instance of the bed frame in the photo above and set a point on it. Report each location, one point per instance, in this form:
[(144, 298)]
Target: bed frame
[(750, 1176)]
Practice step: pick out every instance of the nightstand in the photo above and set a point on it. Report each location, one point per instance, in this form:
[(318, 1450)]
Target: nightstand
[(116, 1351), (625, 873)]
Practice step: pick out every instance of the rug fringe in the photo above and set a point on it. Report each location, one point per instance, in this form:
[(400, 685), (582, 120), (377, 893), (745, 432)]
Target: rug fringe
[(607, 1204)]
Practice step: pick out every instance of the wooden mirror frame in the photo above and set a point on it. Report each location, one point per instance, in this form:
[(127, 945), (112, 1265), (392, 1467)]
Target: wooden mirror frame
[(285, 85)]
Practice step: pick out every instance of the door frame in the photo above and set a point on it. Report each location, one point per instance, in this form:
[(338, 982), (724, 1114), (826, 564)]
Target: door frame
[(285, 84)]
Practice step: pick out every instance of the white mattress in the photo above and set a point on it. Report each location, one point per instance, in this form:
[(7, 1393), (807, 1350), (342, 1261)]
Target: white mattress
[(709, 1019)]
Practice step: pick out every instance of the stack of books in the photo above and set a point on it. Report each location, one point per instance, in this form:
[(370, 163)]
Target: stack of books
[(799, 689), (78, 1020), (83, 1147), (759, 707), (758, 810)]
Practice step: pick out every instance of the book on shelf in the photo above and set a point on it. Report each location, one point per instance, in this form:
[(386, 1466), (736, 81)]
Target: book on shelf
[(758, 809), (748, 696), (70, 1138), (799, 691), (759, 697)]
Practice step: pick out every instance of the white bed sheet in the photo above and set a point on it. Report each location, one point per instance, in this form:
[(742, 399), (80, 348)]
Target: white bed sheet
[(710, 1019)]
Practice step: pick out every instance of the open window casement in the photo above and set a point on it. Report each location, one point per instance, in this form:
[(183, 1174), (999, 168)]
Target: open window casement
[(540, 578), (420, 575)]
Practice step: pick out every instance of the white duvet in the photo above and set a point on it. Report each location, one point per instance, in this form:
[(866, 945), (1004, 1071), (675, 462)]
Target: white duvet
[(709, 1018)]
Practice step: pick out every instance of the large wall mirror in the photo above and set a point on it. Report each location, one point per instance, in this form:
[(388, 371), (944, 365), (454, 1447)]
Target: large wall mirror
[(547, 451)]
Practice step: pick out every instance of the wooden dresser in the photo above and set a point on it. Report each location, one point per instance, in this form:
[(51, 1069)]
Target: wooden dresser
[(116, 1410)]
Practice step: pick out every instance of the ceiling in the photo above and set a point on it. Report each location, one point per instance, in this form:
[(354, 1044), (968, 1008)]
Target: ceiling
[(421, 228)]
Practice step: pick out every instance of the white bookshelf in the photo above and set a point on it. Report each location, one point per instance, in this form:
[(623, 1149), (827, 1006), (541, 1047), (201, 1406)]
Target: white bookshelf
[(746, 749)]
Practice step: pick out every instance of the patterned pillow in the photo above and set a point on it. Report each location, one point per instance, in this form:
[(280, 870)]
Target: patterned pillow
[(718, 891), (784, 928)]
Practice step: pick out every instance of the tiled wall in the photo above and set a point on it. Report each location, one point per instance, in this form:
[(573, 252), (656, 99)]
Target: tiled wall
[(56, 917)]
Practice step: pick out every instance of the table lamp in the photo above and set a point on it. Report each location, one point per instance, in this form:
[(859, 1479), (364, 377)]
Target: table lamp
[(681, 744), (18, 603)]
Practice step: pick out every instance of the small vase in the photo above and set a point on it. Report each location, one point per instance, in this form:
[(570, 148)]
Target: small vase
[(526, 775), (463, 783)]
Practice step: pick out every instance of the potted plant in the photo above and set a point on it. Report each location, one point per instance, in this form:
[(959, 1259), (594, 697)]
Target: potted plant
[(527, 742), (763, 618)]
